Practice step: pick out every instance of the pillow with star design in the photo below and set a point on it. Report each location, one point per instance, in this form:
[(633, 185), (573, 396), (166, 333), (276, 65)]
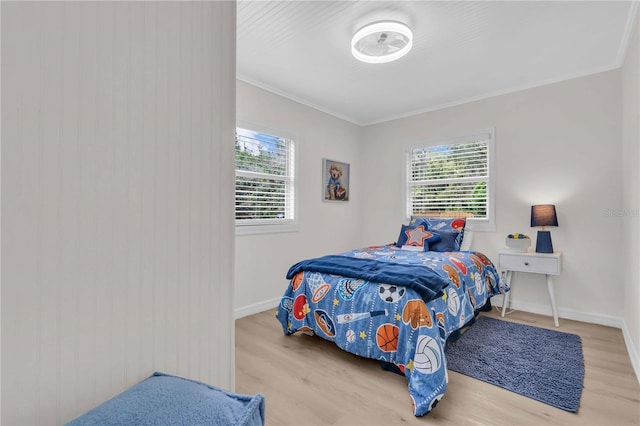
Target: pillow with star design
[(416, 236), (448, 224)]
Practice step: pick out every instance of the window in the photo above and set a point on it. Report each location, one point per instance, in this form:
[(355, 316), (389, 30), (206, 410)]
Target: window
[(264, 182), (453, 177)]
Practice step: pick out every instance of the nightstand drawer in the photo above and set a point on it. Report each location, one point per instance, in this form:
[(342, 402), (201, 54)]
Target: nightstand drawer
[(530, 263)]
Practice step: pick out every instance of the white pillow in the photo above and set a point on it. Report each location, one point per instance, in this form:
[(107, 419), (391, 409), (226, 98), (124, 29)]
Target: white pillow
[(467, 240), (412, 248)]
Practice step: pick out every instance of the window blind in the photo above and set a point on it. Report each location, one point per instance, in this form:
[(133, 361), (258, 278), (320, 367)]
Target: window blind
[(264, 178), (450, 178)]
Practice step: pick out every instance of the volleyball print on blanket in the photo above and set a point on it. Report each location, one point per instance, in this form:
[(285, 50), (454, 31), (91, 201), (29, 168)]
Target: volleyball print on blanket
[(427, 358), (453, 301)]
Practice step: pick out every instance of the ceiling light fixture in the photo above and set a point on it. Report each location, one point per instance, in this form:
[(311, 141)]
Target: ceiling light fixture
[(382, 42)]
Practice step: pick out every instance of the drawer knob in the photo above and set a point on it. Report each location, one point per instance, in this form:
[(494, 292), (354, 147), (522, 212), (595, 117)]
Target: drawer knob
[(526, 263)]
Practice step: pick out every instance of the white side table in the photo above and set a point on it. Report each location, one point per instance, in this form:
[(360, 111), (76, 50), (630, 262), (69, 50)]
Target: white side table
[(549, 264)]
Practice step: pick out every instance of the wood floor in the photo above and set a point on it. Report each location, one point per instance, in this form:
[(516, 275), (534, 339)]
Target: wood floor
[(309, 381)]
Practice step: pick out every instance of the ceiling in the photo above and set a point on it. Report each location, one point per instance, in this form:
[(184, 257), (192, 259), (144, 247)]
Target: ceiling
[(463, 51)]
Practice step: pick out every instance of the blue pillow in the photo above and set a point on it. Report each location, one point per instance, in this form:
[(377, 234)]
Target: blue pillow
[(171, 400), (451, 224), (418, 220), (417, 236), (447, 241)]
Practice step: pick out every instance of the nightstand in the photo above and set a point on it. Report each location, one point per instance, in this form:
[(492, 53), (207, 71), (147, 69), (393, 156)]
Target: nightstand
[(549, 264)]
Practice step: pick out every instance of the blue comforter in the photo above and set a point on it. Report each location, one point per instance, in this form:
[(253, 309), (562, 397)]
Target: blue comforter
[(419, 277), (378, 314)]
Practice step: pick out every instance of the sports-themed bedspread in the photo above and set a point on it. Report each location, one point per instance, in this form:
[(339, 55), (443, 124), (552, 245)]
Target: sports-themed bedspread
[(391, 316)]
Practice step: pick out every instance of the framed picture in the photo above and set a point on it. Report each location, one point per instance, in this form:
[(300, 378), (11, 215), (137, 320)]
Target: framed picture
[(335, 180)]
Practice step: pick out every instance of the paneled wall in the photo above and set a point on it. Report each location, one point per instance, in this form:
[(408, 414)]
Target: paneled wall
[(117, 195), (630, 211)]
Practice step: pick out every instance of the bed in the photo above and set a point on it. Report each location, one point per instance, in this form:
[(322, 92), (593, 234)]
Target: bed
[(397, 303)]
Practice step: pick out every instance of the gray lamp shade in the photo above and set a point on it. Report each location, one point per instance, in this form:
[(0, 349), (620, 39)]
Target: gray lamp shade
[(543, 215)]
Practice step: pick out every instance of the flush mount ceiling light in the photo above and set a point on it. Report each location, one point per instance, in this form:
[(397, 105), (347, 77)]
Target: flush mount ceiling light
[(382, 42)]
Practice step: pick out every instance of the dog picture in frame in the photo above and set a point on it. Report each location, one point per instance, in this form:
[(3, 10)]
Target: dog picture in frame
[(335, 180)]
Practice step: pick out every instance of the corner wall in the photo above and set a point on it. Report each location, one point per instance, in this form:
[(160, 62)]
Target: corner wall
[(557, 144), (117, 194), (263, 260), (630, 213)]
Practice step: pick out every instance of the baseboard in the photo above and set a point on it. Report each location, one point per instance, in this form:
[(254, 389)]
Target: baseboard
[(256, 308), (569, 314), (632, 350)]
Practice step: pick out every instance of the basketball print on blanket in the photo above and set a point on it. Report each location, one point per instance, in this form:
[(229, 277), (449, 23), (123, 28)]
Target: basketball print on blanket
[(387, 337)]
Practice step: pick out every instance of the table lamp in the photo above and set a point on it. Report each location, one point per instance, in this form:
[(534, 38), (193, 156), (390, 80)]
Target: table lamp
[(543, 215)]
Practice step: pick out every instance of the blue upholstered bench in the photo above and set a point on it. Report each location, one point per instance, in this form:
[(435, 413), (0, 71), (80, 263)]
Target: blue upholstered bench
[(169, 400)]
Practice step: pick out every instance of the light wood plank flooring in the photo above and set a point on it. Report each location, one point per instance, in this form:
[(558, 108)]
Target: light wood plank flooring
[(349, 390)]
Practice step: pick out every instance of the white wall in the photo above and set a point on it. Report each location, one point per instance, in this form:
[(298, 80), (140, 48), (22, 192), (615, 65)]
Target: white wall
[(117, 187), (557, 144), (630, 211), (323, 227), (573, 143)]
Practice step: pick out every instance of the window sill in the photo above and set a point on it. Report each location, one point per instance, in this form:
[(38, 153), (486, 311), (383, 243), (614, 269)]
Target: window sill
[(481, 225), (265, 229)]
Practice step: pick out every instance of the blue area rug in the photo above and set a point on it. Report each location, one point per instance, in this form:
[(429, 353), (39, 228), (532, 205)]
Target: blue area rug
[(545, 365)]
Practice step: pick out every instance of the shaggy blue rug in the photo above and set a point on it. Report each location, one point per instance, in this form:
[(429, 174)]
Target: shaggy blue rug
[(545, 365)]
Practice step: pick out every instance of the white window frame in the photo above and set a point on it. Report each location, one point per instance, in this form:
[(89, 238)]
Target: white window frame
[(248, 227), (475, 224)]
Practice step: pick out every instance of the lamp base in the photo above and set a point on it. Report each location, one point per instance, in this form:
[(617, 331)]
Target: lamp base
[(543, 242)]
